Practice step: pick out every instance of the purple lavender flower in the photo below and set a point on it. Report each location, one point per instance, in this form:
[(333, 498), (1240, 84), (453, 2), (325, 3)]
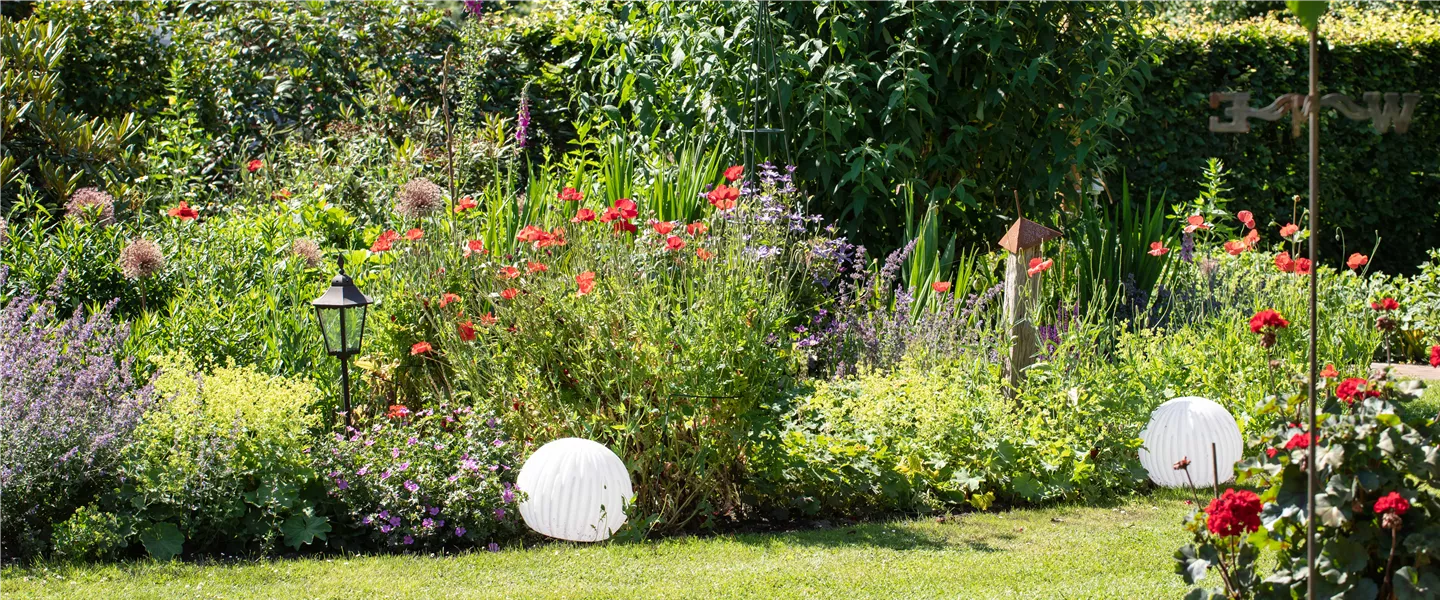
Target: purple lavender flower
[(493, 547), (522, 120), (1187, 247)]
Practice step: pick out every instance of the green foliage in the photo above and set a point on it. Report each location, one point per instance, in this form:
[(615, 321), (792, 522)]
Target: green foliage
[(48, 144), (1374, 188), (235, 442), (89, 534)]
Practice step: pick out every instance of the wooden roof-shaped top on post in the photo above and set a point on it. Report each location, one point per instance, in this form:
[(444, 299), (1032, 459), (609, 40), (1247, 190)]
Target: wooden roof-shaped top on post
[(1026, 234)]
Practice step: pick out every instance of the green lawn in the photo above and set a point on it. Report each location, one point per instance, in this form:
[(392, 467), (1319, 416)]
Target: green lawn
[(1121, 551)]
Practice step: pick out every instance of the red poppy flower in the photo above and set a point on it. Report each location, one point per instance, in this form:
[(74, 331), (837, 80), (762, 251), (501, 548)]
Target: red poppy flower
[(488, 319), (1039, 265), (531, 233), (663, 227), (583, 215), (1302, 266), (734, 172), (509, 272), (385, 242), (1435, 356), (465, 204), (586, 281), (420, 348), (1158, 249), (1284, 263), (1357, 260), (466, 329), (570, 194), (704, 254), (1233, 513), (397, 411), (184, 212), (448, 298), (1289, 229), (1194, 222), (283, 194), (556, 237), (414, 234), (1392, 502), (1329, 372), (623, 226), (535, 267), (723, 197), (472, 247), (1387, 304), (1298, 441), (255, 165), (1267, 319), (628, 208), (1235, 247), (1353, 389), (940, 287), (1251, 238), (696, 228), (509, 293), (610, 214), (1246, 217), (674, 243)]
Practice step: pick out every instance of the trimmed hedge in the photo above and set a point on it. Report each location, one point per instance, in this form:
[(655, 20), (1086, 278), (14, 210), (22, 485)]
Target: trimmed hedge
[(1371, 185)]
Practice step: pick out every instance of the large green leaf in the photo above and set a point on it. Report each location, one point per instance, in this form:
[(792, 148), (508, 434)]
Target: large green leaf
[(1308, 11), (300, 530), (162, 540)]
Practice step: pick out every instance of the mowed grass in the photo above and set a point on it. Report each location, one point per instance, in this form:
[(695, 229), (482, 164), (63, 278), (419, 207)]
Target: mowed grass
[(1119, 551)]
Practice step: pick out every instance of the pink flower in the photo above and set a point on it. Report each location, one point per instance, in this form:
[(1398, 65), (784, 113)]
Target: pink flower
[(1246, 217), (1038, 266), (1158, 249)]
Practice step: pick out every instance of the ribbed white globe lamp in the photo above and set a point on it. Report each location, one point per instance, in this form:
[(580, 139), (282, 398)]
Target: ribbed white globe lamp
[(1185, 428), (575, 490)]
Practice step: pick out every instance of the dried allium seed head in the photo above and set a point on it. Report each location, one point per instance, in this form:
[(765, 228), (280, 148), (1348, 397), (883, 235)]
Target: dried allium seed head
[(141, 259), (91, 204), (4, 231), (418, 198), (307, 250)]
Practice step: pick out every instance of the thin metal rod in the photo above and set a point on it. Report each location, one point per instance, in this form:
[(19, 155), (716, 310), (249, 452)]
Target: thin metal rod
[(1215, 470), (345, 388), (1311, 464)]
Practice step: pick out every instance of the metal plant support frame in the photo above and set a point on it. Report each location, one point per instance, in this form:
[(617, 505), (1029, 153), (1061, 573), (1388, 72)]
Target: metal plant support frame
[(1397, 110), (757, 91)]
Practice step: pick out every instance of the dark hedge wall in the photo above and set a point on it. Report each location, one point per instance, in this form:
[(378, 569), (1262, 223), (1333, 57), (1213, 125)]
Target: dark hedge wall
[(1371, 185)]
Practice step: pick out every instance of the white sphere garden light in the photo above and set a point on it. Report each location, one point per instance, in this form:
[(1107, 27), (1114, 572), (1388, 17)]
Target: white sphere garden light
[(575, 490), (1186, 428)]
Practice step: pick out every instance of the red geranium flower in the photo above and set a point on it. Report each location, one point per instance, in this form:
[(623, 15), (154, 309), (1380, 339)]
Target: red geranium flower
[(466, 329), (723, 197), (448, 298), (1289, 229), (1246, 217), (1353, 389), (586, 281), (1392, 502), (734, 172), (385, 242), (1233, 513), (696, 228), (488, 319), (420, 348), (674, 243), (397, 411), (1267, 319), (940, 287), (1387, 304), (1357, 260), (535, 267), (1038, 266), (465, 204), (583, 215), (1158, 249), (1329, 371), (1284, 263), (184, 212), (414, 234), (570, 194), (1298, 441), (1194, 222), (255, 165), (704, 254), (509, 272), (1435, 356), (1271, 452), (472, 247), (663, 227), (509, 293)]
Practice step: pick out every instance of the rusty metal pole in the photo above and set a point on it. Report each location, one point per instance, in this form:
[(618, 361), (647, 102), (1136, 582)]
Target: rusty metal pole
[(1313, 101)]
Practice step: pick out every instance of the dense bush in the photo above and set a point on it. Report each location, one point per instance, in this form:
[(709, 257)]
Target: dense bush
[(69, 402), (1373, 187)]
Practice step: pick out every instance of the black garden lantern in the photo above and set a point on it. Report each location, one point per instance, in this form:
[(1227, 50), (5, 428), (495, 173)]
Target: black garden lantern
[(341, 313)]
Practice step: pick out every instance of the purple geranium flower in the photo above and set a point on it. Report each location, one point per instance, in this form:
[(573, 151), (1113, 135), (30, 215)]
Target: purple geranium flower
[(411, 485)]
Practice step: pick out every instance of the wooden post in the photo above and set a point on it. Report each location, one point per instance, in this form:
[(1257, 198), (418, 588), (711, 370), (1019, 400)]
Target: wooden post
[(1020, 288)]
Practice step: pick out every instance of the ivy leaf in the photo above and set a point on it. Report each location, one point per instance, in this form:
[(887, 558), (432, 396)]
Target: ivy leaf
[(1308, 11), (162, 540), (303, 529)]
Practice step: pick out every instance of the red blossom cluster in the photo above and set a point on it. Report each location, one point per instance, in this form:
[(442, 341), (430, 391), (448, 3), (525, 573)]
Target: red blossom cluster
[(541, 238), (1435, 356), (1392, 502), (1039, 265), (1386, 304), (1233, 513), (1355, 388), (385, 242), (1267, 320), (1284, 263), (570, 194), (621, 214), (183, 212), (1299, 441), (723, 197)]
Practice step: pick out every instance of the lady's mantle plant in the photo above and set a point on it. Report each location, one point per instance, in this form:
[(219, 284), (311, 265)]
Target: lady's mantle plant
[(1378, 531)]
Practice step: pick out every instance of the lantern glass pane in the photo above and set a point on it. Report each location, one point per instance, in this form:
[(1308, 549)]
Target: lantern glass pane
[(354, 328), (330, 328)]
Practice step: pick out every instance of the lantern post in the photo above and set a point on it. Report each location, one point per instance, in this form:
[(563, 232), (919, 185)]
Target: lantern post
[(340, 312)]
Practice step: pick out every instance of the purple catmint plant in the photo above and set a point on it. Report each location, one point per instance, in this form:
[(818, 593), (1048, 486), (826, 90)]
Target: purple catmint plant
[(522, 119), (68, 401)]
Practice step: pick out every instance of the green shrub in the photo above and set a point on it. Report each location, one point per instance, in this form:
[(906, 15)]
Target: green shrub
[(223, 463), (1373, 187), (90, 534)]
